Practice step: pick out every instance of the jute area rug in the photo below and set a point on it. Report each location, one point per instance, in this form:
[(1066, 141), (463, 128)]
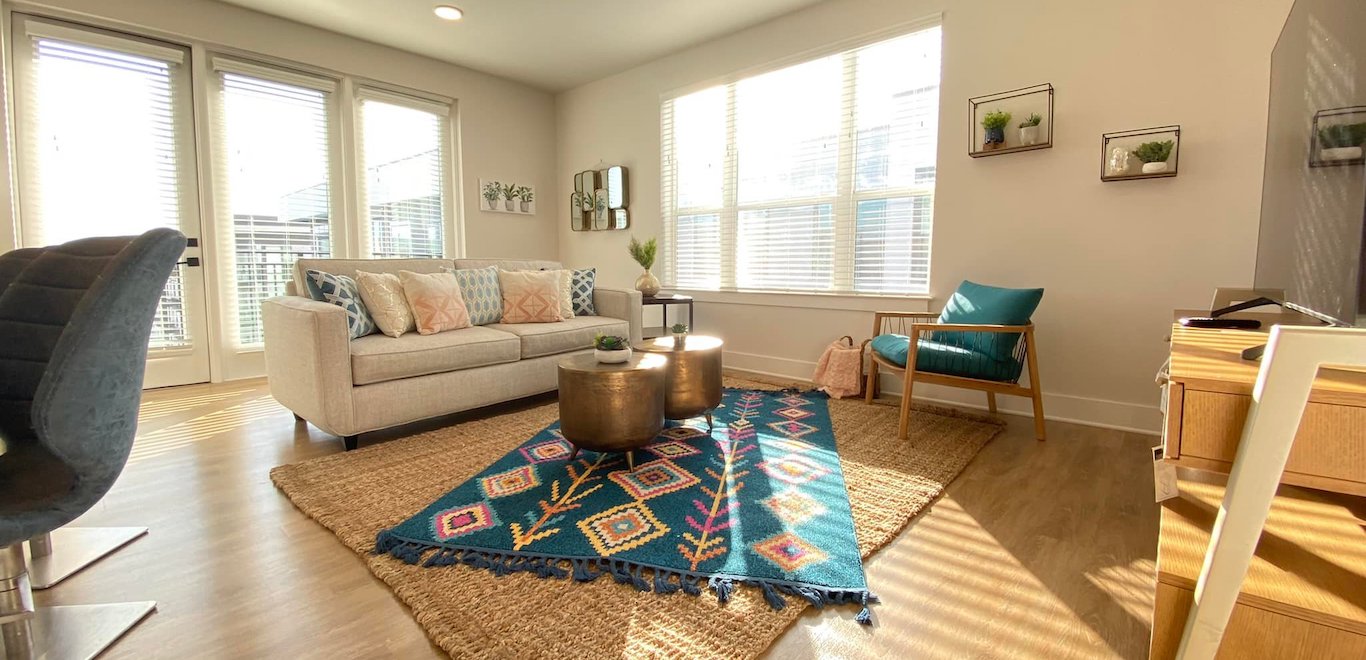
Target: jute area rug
[(472, 613)]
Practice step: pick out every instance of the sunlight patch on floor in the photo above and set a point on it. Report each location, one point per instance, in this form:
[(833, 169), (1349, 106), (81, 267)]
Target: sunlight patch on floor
[(204, 427)]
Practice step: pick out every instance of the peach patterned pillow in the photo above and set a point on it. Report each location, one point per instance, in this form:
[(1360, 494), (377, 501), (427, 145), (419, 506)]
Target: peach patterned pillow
[(566, 295), (530, 296), (435, 300)]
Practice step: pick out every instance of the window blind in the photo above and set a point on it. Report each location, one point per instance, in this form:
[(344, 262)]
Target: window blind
[(103, 126), (272, 184), (402, 177), (815, 177)]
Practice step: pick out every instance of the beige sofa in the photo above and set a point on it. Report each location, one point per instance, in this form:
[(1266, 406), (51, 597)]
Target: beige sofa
[(347, 387)]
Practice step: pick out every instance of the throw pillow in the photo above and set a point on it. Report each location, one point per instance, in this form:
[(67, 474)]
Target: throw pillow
[(988, 305), (383, 297), (435, 300), (341, 291), (530, 296), (479, 288), (581, 290), (566, 297)]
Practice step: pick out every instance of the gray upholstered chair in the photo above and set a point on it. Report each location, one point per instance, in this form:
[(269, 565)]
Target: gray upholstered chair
[(74, 325)]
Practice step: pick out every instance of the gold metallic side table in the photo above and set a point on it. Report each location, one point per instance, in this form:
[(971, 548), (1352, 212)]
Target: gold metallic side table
[(612, 407), (694, 375)]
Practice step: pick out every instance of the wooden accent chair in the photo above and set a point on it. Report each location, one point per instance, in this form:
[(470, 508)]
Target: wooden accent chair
[(980, 356)]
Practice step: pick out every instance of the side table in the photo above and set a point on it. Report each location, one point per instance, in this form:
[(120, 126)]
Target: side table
[(612, 407), (692, 377), (664, 302)]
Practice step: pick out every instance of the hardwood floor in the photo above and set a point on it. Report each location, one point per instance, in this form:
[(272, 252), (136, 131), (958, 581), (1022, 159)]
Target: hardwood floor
[(1036, 550)]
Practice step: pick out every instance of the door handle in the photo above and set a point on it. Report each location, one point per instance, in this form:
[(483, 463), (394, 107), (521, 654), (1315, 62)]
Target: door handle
[(192, 262)]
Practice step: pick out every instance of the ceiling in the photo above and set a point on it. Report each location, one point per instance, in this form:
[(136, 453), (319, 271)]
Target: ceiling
[(551, 44)]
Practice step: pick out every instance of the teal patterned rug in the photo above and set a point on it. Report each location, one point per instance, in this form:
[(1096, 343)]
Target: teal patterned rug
[(759, 501)]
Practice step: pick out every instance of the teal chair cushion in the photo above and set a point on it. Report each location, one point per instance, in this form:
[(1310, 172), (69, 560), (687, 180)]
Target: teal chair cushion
[(937, 357), (988, 305)]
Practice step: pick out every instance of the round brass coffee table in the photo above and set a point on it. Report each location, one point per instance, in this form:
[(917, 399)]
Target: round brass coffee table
[(612, 407), (693, 383)]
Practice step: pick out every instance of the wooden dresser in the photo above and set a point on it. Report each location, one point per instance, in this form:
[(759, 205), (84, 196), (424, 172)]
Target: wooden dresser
[(1305, 593), (1210, 391)]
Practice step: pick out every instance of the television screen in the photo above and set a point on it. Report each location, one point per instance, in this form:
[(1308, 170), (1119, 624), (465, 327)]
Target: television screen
[(1311, 243)]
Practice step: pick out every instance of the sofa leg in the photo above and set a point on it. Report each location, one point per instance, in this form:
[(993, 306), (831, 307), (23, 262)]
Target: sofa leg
[(350, 442), (297, 418)]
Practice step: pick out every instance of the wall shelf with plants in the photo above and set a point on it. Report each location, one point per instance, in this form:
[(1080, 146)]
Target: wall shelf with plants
[(1144, 153), (1338, 137), (1011, 122)]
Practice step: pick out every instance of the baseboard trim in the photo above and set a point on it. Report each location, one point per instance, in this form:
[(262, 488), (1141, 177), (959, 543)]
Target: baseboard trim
[(1088, 411)]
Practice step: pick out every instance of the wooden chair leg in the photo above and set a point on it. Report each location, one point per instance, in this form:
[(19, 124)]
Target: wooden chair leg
[(871, 385), (1036, 389), (991, 402), (903, 429), (1038, 414)]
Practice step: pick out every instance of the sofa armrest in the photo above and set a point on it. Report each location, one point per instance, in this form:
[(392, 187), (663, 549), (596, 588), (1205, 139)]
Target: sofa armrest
[(621, 304), (308, 360)]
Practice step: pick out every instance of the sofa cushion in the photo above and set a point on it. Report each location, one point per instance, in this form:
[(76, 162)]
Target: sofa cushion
[(483, 298), (582, 291), (530, 296), (574, 334), (380, 358), (435, 300), (343, 292)]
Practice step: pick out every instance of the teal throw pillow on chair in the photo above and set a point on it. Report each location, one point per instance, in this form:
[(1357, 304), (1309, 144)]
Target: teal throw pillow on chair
[(976, 303)]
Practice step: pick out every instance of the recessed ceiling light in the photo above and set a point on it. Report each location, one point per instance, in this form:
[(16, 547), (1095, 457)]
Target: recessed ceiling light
[(448, 12)]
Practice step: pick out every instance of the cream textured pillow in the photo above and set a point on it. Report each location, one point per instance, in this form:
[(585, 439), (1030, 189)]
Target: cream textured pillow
[(566, 294), (383, 296), (435, 300), (530, 296)]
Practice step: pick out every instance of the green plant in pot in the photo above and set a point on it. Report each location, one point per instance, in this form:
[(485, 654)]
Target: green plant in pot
[(527, 197), (680, 333), (1154, 155), (611, 349), (493, 191), (1029, 130), (1342, 142), (994, 123), (644, 254), (510, 192)]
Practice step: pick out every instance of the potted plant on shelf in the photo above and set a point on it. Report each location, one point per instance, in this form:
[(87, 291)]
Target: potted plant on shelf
[(611, 349), (680, 333), (527, 197), (493, 191), (1342, 142), (1154, 155), (1029, 130), (644, 254), (509, 195), (995, 125)]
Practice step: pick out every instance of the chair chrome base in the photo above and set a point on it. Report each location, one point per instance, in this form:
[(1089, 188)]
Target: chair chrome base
[(70, 549), (75, 632)]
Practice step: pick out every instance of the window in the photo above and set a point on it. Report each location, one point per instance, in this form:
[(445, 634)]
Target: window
[(403, 156), (272, 135), (103, 126), (815, 177)]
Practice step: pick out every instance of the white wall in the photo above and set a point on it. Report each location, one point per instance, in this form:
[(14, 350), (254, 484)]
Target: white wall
[(506, 129), (1115, 258)]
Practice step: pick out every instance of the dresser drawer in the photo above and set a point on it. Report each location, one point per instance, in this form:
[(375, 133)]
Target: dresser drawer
[(1329, 450)]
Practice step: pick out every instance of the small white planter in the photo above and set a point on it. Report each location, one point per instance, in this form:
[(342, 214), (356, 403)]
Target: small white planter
[(526, 206), (507, 204), (1340, 153), (1029, 136), (493, 204), (612, 357), (1154, 168)]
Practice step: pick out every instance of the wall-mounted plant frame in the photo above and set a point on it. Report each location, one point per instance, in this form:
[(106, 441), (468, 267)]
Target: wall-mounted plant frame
[(1337, 137), (1120, 153), (506, 196), (1020, 103)]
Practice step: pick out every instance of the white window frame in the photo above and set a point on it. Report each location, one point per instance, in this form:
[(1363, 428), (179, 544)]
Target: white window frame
[(843, 203)]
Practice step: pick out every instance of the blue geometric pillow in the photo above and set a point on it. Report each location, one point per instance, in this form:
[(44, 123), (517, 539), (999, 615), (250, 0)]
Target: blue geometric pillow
[(581, 291), (341, 291), (483, 297)]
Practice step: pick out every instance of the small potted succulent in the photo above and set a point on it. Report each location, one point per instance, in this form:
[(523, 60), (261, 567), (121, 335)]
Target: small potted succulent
[(1029, 130), (1342, 142), (527, 197), (510, 193), (493, 191), (680, 333), (995, 125), (1154, 155), (611, 349)]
